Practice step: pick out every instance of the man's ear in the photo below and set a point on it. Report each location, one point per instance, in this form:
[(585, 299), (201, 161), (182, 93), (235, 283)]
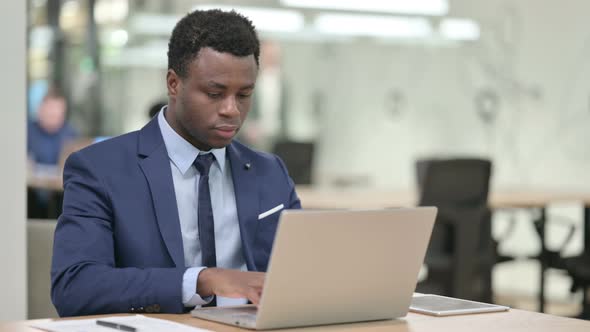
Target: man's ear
[(173, 83)]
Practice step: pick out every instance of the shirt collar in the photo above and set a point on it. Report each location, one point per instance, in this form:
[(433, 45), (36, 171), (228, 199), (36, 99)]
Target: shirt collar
[(180, 151)]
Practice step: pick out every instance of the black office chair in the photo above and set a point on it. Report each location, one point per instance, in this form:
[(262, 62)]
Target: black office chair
[(298, 157), (460, 254), (578, 268), (506, 233), (553, 258), (550, 258)]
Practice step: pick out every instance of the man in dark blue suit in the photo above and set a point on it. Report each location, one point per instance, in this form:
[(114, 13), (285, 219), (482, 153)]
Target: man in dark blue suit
[(175, 215)]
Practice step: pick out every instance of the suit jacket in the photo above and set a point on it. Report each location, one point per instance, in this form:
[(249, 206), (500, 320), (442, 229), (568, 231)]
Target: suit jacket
[(118, 245)]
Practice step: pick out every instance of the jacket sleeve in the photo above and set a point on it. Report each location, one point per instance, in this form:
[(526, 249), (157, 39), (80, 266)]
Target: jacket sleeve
[(84, 276)]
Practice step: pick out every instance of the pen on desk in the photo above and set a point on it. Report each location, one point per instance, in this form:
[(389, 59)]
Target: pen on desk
[(116, 326)]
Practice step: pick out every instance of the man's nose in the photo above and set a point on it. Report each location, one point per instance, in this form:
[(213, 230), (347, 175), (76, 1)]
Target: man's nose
[(230, 107)]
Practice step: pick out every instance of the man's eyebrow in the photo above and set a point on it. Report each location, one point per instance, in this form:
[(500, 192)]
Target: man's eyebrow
[(248, 87), (217, 85)]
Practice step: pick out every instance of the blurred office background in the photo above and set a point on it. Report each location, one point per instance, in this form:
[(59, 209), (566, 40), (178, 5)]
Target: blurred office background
[(358, 91)]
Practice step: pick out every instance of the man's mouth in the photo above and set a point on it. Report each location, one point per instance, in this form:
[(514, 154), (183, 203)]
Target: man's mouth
[(226, 131)]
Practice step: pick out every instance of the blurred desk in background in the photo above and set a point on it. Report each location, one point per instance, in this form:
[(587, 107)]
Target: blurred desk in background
[(46, 182), (337, 198), (44, 192), (530, 199), (49, 177)]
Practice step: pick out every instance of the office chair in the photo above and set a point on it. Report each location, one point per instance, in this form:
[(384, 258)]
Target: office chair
[(578, 268), (550, 258), (39, 250), (504, 235), (461, 254), (298, 157), (553, 258)]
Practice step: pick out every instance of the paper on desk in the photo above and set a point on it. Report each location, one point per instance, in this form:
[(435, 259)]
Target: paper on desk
[(141, 323)]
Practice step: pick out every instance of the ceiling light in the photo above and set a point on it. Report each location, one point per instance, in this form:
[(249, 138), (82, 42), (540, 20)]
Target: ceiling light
[(106, 11), (117, 38), (417, 7), (265, 19), (459, 29), (153, 24), (371, 25)]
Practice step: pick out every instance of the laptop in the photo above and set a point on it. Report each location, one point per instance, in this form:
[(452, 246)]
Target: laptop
[(331, 267)]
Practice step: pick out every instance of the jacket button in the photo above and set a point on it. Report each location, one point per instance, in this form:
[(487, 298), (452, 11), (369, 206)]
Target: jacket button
[(132, 309)]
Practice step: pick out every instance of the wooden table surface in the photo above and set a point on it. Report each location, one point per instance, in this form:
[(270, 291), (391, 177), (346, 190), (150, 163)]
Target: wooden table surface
[(335, 198), (513, 320), (332, 198)]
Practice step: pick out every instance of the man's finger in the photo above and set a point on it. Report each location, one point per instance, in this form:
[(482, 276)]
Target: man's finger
[(254, 296)]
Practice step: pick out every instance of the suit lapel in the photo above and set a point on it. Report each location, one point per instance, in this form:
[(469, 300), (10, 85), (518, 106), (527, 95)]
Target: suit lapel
[(246, 192), (155, 165)]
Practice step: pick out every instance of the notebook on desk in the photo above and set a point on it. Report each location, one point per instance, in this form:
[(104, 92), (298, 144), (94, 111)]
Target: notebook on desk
[(437, 305), (330, 267)]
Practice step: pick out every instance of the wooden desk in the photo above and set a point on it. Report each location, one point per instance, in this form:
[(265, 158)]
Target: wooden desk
[(49, 177), (52, 186), (533, 199), (334, 198), (46, 182), (513, 320)]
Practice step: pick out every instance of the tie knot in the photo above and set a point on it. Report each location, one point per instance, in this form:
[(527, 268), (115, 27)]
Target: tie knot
[(203, 163)]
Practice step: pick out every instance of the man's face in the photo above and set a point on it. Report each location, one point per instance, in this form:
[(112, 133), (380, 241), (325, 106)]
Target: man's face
[(209, 106), (52, 114)]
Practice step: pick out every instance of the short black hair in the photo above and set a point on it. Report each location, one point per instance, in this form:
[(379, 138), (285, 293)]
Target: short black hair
[(156, 107), (226, 32)]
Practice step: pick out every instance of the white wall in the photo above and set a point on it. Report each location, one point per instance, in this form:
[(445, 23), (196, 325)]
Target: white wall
[(13, 279), (535, 55)]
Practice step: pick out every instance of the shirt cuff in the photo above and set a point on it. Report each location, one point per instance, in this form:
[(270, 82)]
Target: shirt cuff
[(190, 298)]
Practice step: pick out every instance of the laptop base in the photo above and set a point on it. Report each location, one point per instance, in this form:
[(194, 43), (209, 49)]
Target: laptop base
[(241, 316)]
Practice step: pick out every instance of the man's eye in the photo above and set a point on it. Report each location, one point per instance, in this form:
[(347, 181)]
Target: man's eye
[(213, 95), (244, 95)]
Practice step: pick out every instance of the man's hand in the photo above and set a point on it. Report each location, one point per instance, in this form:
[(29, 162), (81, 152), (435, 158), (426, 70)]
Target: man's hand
[(231, 283)]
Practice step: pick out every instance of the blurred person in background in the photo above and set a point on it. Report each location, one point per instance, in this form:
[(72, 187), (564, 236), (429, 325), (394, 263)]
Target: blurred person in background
[(48, 135), (50, 131)]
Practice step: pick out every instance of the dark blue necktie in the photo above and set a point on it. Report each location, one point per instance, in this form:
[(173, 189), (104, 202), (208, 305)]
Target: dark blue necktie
[(205, 211), (205, 214)]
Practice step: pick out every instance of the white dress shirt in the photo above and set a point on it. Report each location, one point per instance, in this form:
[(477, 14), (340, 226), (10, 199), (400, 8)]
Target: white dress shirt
[(228, 245)]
